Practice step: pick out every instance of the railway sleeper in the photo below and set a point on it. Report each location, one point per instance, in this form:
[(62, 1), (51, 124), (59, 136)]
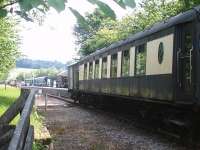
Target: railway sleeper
[(178, 123)]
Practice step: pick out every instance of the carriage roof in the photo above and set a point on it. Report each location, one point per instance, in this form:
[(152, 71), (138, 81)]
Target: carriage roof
[(178, 19)]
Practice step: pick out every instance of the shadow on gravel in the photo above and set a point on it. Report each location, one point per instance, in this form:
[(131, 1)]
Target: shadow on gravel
[(75, 127)]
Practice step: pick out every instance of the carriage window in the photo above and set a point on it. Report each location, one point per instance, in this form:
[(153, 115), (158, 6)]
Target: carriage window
[(188, 43), (125, 63), (104, 67), (85, 71), (90, 70), (96, 73), (140, 60), (114, 66)]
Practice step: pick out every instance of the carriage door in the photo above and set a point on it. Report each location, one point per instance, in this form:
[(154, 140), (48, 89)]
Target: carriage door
[(185, 62), (75, 77)]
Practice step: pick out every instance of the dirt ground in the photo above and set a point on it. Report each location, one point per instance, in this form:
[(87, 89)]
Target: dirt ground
[(76, 128)]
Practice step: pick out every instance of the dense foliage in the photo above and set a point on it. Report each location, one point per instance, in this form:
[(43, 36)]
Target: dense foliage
[(94, 21), (187, 4), (27, 6), (8, 45), (33, 7), (109, 30), (50, 72)]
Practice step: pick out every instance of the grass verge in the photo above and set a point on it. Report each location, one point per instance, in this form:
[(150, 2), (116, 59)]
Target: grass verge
[(7, 97)]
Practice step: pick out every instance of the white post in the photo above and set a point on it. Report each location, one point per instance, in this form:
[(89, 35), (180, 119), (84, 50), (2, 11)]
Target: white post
[(45, 101), (59, 93)]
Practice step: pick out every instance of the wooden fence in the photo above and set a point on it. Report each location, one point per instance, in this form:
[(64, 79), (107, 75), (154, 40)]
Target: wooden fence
[(20, 136)]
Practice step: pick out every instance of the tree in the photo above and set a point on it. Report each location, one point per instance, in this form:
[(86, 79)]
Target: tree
[(20, 76), (27, 7), (51, 72), (94, 22), (150, 12), (187, 4), (8, 45)]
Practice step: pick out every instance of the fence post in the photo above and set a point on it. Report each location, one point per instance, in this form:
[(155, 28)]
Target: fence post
[(45, 101), (59, 93), (5, 85), (20, 133)]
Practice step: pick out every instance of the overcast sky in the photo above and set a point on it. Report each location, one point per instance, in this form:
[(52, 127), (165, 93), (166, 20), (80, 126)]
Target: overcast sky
[(54, 40)]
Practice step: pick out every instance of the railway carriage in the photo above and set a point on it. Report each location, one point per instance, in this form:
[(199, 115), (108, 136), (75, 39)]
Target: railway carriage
[(159, 65), (38, 81)]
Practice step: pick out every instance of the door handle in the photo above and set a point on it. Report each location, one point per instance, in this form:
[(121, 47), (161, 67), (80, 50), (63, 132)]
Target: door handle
[(177, 63), (191, 65)]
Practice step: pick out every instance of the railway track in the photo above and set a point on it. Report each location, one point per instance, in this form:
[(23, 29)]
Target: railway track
[(133, 119)]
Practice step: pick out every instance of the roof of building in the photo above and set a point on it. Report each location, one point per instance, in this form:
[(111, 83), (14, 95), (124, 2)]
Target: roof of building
[(63, 73)]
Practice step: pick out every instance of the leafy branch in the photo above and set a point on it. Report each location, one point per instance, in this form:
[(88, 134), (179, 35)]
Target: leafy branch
[(8, 4)]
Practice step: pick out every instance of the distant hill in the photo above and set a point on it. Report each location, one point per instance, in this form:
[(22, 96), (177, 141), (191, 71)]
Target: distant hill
[(37, 64)]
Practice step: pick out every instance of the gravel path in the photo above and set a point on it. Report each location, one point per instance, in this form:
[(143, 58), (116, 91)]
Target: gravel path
[(76, 128)]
